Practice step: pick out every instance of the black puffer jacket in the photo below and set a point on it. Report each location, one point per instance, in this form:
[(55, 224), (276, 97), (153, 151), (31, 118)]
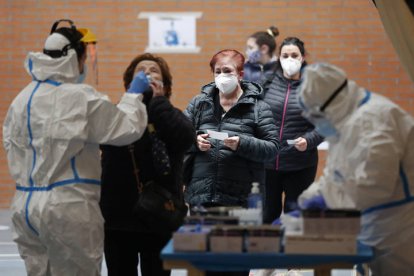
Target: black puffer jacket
[(257, 72), (282, 96), (119, 186), (222, 176)]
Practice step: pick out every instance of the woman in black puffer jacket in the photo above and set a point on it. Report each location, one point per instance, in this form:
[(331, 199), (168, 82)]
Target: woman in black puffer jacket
[(294, 168), (126, 235), (225, 169)]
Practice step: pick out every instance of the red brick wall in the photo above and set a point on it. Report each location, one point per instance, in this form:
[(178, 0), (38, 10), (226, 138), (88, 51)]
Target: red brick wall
[(347, 33)]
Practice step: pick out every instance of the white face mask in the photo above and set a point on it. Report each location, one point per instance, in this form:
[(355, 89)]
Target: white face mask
[(291, 66), (226, 83)]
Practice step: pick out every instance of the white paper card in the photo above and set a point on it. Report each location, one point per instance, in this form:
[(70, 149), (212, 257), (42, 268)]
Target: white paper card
[(291, 142), (217, 135)]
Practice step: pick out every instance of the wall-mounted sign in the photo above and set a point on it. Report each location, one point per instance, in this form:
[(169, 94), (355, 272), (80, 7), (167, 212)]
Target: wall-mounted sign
[(171, 32)]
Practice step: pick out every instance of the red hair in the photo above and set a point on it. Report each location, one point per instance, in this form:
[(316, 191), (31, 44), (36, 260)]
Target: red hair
[(234, 55)]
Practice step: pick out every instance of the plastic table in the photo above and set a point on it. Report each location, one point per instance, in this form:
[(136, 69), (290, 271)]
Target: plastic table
[(198, 262)]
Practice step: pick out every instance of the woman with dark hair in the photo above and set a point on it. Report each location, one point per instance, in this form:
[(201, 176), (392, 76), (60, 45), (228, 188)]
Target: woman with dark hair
[(126, 234), (260, 52), (293, 169), (225, 169), (163, 75)]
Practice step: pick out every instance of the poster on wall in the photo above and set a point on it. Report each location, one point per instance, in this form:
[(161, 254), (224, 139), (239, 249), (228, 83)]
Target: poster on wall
[(171, 32)]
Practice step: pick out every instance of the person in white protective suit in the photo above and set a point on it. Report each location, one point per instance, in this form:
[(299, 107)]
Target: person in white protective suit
[(51, 135), (369, 164)]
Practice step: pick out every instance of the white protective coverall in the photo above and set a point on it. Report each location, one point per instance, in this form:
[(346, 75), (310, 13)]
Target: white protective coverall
[(370, 166), (52, 134)]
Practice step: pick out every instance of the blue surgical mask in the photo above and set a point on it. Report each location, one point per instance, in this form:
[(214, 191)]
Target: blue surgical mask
[(325, 128), (82, 76), (253, 56), (322, 124)]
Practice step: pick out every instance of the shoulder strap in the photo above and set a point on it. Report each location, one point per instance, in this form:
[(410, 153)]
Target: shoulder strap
[(131, 149), (268, 79), (197, 115)]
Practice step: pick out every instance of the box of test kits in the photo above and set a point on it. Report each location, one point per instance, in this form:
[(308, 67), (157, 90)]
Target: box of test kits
[(265, 238), (226, 238), (310, 244), (331, 222), (191, 238)]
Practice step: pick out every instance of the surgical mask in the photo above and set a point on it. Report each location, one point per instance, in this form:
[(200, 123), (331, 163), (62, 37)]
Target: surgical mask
[(291, 66), (253, 56), (325, 128), (322, 124), (82, 75), (226, 83)]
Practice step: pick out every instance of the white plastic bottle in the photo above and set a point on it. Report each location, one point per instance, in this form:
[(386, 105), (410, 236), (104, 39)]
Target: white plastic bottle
[(255, 200)]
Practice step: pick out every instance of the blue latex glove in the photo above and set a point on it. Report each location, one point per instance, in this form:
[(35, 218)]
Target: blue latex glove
[(316, 202), (139, 84), (294, 213)]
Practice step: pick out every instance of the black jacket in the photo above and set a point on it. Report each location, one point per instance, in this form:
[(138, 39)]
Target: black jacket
[(119, 186), (222, 176), (282, 96), (258, 73)]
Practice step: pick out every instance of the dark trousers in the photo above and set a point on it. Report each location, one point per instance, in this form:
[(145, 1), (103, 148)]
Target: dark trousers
[(122, 249), (292, 183)]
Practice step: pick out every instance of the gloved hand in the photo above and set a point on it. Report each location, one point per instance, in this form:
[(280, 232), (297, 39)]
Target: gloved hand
[(316, 202), (294, 213), (139, 84)]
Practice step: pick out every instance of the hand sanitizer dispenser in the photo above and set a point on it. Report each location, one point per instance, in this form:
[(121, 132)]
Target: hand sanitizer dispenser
[(254, 199)]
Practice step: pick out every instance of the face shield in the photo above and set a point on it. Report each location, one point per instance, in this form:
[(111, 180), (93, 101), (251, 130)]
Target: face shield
[(90, 41), (317, 116)]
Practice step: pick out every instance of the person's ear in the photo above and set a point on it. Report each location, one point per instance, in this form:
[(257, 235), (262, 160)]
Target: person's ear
[(241, 74), (264, 49)]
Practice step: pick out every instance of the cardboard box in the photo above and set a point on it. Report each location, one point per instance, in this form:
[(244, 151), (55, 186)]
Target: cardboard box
[(264, 238), (305, 244), (226, 244), (226, 238), (331, 222), (191, 238), (263, 244)]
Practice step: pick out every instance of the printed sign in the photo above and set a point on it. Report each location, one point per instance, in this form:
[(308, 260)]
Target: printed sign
[(171, 32)]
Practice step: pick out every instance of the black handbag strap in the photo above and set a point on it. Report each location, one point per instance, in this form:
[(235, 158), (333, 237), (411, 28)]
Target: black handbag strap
[(131, 149)]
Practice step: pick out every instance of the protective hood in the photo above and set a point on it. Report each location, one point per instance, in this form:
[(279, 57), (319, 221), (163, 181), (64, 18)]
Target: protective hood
[(320, 81), (56, 41), (42, 67)]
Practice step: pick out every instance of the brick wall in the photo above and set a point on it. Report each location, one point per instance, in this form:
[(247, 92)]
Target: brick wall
[(347, 33)]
